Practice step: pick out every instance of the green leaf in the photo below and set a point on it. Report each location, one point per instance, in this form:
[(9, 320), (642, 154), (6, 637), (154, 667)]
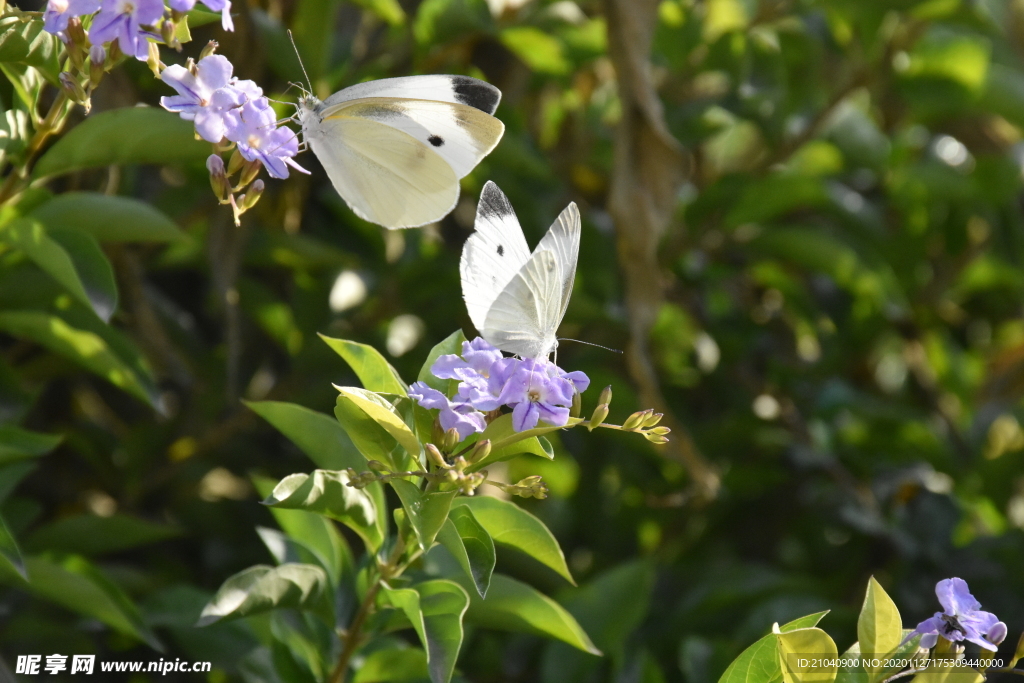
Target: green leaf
[(370, 367), (512, 526), (370, 439), (452, 344), (94, 535), (443, 604), (388, 10), (852, 669), (263, 588), (427, 512), (792, 648), (809, 621), (759, 663), (515, 606), (507, 443), (879, 626), (108, 218), (327, 493), (20, 444), (23, 40), (323, 439), (77, 585), (393, 665), (158, 137), (384, 414), (470, 545), (540, 51), (84, 347), (9, 552), (75, 260)]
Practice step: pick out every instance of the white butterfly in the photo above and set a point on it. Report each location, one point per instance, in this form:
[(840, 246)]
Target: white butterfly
[(396, 148), (517, 299)]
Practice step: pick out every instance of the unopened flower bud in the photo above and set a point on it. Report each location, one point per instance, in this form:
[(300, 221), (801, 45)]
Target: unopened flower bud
[(606, 395), (97, 58), (654, 419), (460, 464), (153, 61), (72, 88), (655, 438), (376, 465), (250, 170), (235, 163), (577, 405), (599, 416), (167, 29), (434, 455), (115, 53), (480, 451), (218, 179), (210, 48), (452, 475), (190, 64), (997, 633), (661, 431), (250, 198), (532, 487), (76, 33), (451, 439), (636, 419)]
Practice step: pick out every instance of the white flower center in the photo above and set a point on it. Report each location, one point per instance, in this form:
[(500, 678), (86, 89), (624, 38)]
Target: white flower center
[(254, 141), (59, 6)]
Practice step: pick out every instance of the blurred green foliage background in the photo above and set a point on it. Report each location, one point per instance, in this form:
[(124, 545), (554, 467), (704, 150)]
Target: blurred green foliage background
[(838, 330)]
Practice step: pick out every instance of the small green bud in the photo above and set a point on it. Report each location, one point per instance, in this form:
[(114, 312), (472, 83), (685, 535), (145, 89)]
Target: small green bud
[(115, 53), (377, 466), (451, 440), (210, 48), (218, 180), (76, 33), (661, 431), (235, 163), (480, 451), (167, 29), (655, 438), (577, 405), (654, 419), (153, 60), (73, 89), (249, 199), (97, 58), (460, 464), (250, 170), (636, 419), (599, 416), (606, 395), (434, 455), (452, 475)]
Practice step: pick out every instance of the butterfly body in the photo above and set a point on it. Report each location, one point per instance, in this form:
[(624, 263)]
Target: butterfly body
[(395, 149), (515, 297)]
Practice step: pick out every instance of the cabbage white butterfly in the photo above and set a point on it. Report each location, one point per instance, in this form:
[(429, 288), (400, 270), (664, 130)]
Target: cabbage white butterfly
[(396, 148), (517, 299)]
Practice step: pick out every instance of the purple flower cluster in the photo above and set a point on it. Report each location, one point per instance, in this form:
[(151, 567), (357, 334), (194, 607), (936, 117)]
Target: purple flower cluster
[(535, 389), (129, 22), (223, 106), (962, 619)]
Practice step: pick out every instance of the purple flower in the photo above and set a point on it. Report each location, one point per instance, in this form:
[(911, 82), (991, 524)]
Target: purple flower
[(462, 416), (58, 12), (537, 392), (475, 362), (962, 618), (222, 6), (122, 20), (258, 138), (211, 97)]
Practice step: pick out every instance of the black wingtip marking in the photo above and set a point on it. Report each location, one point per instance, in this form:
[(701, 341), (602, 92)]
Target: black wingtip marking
[(436, 140), (476, 93), (501, 250)]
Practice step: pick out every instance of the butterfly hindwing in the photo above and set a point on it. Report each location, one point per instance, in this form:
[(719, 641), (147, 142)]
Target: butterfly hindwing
[(386, 175), (525, 315), (563, 239)]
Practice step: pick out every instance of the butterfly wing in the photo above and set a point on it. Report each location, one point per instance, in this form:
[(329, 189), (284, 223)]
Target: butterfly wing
[(462, 90), (386, 175), (462, 135), (563, 240), (523, 318), (492, 255)]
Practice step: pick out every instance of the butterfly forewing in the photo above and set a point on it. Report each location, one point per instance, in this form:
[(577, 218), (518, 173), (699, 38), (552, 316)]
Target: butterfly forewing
[(523, 318), (460, 134), (386, 175), (441, 88)]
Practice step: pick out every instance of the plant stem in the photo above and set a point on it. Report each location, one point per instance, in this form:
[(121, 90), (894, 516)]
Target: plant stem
[(49, 126)]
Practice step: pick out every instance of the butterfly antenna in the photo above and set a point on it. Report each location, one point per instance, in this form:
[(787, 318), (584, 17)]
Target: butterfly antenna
[(580, 341), (299, 57)]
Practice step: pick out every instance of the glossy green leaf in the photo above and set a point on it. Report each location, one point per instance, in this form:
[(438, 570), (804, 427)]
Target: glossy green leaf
[(108, 218), (75, 260), (798, 651), (158, 137), (84, 347), (759, 663), (318, 435), (808, 621), (452, 344), (23, 40), (79, 586), (512, 526), (19, 444), (385, 415), (393, 665), (94, 535), (427, 512), (879, 626), (326, 492), (515, 606), (470, 545), (371, 440), (10, 554), (262, 588), (443, 604), (370, 367)]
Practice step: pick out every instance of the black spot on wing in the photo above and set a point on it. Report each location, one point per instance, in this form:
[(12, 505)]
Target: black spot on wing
[(436, 140), (476, 93), (501, 250)]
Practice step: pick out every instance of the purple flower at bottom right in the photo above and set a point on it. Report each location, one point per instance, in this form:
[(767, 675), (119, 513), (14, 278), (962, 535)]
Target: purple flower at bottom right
[(961, 619)]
